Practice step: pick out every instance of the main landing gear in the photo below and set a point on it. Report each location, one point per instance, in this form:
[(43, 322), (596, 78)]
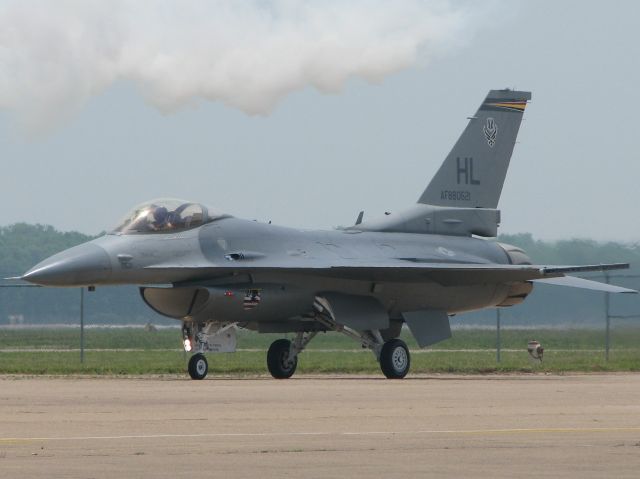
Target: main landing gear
[(393, 354), (280, 360), (395, 359), (282, 356)]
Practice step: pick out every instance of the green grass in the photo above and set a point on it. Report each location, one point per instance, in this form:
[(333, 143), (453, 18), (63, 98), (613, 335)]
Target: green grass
[(158, 353), (253, 362), (137, 338)]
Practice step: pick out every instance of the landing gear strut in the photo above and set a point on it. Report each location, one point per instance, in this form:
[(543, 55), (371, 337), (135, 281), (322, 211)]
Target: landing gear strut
[(393, 354), (208, 337)]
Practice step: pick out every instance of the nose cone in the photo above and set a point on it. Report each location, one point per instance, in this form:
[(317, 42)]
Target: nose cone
[(82, 265)]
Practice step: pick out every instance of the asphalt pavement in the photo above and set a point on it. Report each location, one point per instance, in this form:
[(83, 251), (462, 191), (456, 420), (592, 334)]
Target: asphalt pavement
[(321, 426)]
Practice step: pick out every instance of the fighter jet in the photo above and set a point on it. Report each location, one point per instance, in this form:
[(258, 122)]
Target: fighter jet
[(416, 267)]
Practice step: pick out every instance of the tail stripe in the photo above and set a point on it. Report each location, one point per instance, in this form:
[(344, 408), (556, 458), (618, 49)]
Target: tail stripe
[(511, 105)]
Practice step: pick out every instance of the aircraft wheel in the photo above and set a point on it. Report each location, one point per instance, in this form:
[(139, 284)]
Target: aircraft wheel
[(278, 361), (395, 359), (198, 366)]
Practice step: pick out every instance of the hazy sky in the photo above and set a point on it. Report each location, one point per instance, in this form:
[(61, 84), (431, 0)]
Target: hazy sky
[(102, 119)]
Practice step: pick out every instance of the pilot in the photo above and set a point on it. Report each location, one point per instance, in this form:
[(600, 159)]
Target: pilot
[(160, 216), (173, 220)]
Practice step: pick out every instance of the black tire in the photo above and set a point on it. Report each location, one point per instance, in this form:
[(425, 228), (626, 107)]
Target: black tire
[(278, 362), (198, 366), (395, 359)]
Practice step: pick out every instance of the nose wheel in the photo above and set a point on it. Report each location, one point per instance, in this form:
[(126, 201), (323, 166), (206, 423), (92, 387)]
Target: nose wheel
[(198, 366)]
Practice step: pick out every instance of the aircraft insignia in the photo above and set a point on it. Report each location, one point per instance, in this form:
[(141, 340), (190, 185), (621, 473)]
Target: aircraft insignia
[(251, 299), (490, 130)]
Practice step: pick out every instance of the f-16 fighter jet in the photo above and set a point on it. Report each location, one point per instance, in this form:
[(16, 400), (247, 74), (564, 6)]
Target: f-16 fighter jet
[(419, 266)]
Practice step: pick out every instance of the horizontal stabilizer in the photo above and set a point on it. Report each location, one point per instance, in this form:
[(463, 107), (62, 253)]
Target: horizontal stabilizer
[(582, 283)]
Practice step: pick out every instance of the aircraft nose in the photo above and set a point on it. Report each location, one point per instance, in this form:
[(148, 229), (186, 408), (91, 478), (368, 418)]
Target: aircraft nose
[(81, 265)]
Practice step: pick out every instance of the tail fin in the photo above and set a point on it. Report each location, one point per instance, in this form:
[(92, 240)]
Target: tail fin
[(473, 173)]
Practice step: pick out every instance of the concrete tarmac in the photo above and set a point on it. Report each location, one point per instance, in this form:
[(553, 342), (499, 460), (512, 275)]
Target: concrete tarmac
[(321, 426)]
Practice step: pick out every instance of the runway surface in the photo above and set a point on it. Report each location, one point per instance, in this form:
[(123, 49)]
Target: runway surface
[(321, 426)]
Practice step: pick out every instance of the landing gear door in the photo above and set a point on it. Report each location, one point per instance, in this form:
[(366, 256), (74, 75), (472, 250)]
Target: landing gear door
[(428, 326), (210, 337)]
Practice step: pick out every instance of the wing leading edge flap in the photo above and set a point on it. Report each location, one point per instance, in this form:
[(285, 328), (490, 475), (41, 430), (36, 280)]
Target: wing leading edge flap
[(428, 326), (574, 282), (584, 268)]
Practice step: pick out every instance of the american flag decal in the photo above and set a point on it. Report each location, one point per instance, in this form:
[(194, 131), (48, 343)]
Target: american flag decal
[(251, 299)]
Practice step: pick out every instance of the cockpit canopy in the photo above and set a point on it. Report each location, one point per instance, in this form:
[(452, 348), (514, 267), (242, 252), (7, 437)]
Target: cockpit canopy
[(165, 215)]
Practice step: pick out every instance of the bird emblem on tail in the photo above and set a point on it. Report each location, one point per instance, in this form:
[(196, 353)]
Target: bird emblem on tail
[(490, 130)]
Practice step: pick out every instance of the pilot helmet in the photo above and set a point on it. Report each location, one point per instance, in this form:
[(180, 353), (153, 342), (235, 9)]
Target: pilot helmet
[(160, 214)]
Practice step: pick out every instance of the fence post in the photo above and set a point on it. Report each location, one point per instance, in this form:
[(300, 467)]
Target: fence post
[(498, 345), (607, 337), (82, 325)]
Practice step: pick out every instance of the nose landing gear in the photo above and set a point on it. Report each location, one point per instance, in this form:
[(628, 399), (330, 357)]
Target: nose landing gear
[(198, 366), (206, 337)]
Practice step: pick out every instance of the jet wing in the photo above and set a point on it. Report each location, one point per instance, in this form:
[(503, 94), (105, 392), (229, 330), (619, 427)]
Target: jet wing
[(408, 270), (473, 274)]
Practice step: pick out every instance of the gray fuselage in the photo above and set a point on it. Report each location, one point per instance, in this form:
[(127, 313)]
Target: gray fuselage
[(230, 256)]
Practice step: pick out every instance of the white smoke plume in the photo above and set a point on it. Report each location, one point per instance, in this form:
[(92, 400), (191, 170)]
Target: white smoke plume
[(56, 54)]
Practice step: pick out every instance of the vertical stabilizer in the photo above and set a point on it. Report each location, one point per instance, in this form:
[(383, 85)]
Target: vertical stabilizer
[(473, 173)]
